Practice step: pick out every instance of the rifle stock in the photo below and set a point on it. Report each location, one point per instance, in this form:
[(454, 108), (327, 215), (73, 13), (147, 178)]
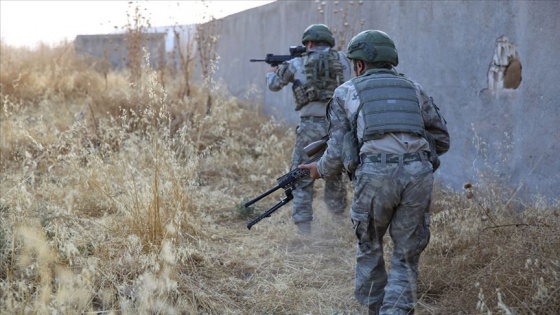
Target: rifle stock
[(316, 146)]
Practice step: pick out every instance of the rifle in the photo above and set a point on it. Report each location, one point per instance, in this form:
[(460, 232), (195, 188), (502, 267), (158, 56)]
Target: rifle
[(275, 60), (288, 181)]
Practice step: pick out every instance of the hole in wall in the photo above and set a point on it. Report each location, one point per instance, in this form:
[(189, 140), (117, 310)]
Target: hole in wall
[(505, 68)]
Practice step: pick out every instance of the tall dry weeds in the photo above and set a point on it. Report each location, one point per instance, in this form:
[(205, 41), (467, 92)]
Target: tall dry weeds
[(111, 207)]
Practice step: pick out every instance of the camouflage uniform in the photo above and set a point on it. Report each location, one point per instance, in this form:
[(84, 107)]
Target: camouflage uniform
[(312, 127), (392, 191)]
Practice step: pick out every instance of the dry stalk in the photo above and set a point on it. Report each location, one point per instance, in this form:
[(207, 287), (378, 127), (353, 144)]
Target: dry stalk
[(207, 40), (185, 49)]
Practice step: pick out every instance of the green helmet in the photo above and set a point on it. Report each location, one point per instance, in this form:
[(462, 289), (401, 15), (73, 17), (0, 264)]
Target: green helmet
[(318, 33), (373, 46)]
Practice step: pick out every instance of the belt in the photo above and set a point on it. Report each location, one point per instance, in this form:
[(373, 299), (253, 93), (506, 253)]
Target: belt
[(313, 118), (394, 158)]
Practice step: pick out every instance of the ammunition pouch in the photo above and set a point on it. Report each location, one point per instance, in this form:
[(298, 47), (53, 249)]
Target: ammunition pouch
[(304, 94)]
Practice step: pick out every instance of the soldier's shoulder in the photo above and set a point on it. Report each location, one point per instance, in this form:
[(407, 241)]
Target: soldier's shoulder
[(296, 62), (293, 65), (415, 83), (345, 88), (419, 88)]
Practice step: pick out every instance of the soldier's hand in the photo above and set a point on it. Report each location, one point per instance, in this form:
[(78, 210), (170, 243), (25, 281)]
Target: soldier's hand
[(312, 167), (273, 69)]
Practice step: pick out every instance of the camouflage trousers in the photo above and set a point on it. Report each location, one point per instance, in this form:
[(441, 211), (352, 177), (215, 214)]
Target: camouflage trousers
[(394, 197), (307, 131)]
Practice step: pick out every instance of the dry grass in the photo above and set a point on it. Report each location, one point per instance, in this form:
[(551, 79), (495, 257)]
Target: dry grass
[(121, 199)]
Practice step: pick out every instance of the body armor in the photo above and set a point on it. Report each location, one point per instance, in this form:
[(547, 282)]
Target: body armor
[(324, 73), (389, 105)]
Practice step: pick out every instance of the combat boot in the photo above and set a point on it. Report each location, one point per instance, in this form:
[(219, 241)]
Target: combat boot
[(373, 309), (304, 228)]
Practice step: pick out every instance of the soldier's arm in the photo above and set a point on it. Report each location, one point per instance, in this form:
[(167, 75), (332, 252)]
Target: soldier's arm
[(434, 122), (330, 163), (282, 77)]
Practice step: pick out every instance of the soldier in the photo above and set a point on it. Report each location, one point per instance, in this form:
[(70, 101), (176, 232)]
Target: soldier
[(387, 132), (314, 76)]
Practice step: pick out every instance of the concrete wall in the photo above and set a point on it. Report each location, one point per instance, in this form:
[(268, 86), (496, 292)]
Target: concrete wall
[(458, 50), (113, 48), (447, 46)]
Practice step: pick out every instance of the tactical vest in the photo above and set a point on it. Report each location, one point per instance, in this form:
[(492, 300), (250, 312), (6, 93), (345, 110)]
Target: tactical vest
[(324, 73), (389, 104)]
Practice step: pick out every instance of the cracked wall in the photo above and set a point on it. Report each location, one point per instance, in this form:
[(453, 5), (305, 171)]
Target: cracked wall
[(505, 68)]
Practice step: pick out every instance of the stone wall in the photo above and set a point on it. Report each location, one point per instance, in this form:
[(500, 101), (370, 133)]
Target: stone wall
[(113, 48)]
